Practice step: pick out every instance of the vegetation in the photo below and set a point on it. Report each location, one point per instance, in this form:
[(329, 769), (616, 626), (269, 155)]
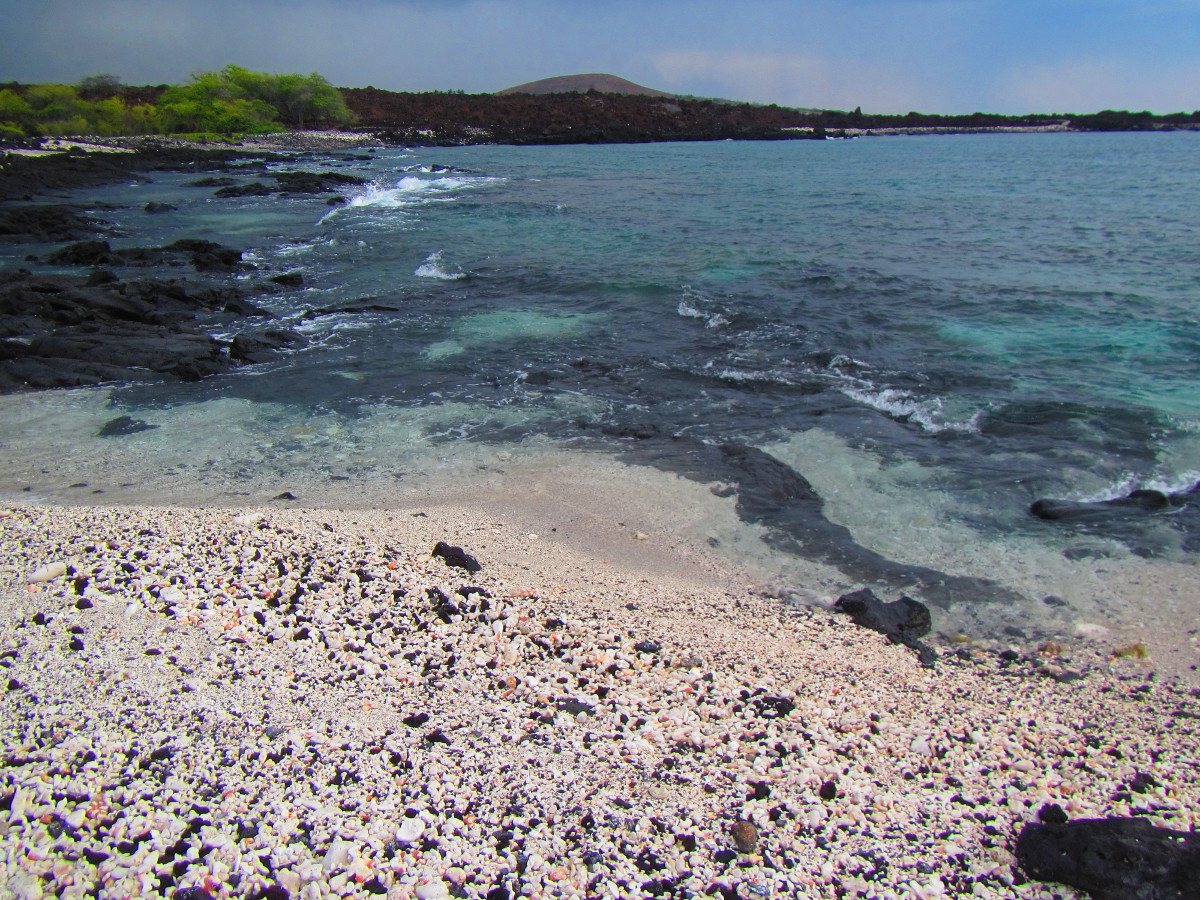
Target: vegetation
[(232, 101)]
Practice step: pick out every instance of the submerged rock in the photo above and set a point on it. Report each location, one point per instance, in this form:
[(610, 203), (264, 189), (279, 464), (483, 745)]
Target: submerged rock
[(1113, 859)]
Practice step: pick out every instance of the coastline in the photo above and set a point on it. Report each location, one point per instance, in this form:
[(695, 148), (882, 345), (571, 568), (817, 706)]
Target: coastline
[(187, 787), (612, 729)]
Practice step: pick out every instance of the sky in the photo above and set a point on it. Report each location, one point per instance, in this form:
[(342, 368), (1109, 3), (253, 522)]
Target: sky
[(887, 56)]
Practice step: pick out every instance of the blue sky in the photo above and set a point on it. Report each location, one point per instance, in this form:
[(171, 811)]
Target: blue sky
[(889, 56)]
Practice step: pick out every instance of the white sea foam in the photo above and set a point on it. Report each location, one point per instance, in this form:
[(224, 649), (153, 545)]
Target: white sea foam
[(692, 306), (1133, 481), (929, 412), (435, 266), (410, 190)]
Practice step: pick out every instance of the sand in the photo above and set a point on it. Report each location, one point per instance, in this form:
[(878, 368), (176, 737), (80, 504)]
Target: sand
[(235, 702)]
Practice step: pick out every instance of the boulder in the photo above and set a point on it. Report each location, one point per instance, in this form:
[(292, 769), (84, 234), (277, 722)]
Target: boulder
[(902, 622), (264, 344), (44, 224), (1113, 858)]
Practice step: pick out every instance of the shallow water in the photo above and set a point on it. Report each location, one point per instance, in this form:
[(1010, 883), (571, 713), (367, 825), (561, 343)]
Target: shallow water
[(931, 332)]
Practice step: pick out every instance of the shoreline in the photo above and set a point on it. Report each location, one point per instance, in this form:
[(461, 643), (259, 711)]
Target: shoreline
[(606, 731)]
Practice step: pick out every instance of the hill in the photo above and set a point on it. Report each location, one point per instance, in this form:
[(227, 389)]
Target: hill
[(581, 84)]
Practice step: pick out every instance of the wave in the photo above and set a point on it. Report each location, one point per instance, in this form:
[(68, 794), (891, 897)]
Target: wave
[(410, 190), (927, 412), (1131, 481), (435, 266), (692, 306)]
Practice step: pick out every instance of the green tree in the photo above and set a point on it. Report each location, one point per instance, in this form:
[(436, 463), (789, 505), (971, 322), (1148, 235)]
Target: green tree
[(16, 115)]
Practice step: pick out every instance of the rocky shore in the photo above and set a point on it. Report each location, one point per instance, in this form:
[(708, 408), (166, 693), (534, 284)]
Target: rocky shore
[(111, 322), (278, 703)]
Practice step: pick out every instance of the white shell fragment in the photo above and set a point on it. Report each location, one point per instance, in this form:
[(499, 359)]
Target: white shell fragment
[(48, 572)]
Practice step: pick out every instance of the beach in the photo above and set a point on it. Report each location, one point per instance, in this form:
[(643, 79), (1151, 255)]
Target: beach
[(244, 702), (513, 566)]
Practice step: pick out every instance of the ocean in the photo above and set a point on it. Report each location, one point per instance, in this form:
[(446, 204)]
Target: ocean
[(842, 363)]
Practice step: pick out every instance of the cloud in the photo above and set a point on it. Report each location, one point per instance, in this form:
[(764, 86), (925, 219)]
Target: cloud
[(801, 80), (1086, 85)]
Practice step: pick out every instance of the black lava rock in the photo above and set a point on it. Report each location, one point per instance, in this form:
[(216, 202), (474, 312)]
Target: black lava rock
[(123, 425), (456, 557), (902, 622), (1052, 814), (1114, 858)]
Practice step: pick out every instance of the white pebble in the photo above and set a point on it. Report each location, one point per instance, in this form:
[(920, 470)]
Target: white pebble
[(431, 891), (410, 830), (48, 572)]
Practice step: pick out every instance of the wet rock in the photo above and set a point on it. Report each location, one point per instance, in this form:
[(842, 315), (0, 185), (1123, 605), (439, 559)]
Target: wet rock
[(1134, 503), (902, 622), (456, 557), (254, 189), (1113, 859), (208, 256), (288, 279), (153, 207), (44, 224), (84, 253), (265, 344), (123, 425), (314, 182)]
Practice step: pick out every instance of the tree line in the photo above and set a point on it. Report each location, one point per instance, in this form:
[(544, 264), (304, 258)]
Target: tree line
[(232, 101)]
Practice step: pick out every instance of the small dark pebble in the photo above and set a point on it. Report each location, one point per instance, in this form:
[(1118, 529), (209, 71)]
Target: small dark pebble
[(828, 790), (437, 736), (745, 835), (647, 647), (1142, 782), (456, 557), (286, 495), (13, 684), (416, 720), (1052, 814), (76, 644), (192, 893), (83, 603)]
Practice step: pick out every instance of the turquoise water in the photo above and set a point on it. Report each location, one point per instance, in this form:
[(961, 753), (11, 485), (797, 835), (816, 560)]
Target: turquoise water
[(954, 327)]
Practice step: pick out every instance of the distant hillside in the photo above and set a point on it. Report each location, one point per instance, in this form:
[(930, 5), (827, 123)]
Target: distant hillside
[(581, 84)]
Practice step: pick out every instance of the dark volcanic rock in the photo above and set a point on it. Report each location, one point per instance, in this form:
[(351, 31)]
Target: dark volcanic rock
[(1125, 518), (1113, 859), (44, 224), (1134, 504), (64, 331), (205, 256), (84, 253), (260, 346), (456, 557), (208, 256), (903, 622), (315, 182), (123, 425), (254, 189), (772, 494), (153, 207)]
